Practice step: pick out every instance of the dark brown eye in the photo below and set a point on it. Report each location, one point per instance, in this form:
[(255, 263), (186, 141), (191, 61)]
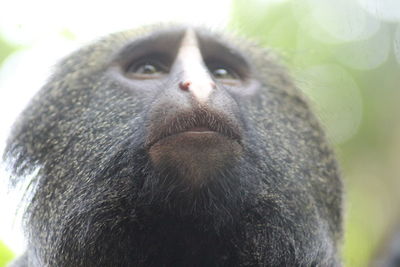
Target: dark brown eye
[(221, 74), (147, 70), (224, 74)]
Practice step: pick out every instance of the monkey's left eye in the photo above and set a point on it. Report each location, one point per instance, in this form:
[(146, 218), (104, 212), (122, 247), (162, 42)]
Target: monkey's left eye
[(147, 70), (223, 74)]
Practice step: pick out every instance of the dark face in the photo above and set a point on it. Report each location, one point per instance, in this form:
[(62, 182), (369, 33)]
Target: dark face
[(192, 137), (193, 126)]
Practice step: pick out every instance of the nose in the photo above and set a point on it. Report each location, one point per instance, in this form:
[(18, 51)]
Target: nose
[(195, 78), (187, 86)]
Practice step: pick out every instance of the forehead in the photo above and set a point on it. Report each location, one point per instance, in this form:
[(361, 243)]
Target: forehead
[(169, 40)]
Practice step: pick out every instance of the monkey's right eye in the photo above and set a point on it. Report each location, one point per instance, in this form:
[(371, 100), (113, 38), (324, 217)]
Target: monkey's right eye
[(147, 70)]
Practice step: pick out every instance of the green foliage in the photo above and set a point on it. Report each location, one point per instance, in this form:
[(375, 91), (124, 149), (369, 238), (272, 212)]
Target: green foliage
[(5, 255), (5, 49), (354, 86)]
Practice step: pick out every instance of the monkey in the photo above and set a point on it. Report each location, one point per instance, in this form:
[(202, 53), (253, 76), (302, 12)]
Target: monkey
[(175, 146)]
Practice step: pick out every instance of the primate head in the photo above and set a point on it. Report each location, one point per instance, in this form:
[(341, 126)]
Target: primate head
[(176, 146)]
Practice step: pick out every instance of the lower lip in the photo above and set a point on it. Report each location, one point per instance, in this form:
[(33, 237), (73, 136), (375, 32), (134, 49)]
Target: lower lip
[(199, 132)]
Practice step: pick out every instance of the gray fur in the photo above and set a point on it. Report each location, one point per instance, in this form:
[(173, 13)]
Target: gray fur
[(99, 202)]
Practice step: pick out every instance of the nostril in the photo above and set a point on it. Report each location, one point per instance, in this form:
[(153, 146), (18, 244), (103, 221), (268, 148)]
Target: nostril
[(185, 85)]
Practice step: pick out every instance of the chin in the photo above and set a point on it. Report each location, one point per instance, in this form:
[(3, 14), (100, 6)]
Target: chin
[(195, 157)]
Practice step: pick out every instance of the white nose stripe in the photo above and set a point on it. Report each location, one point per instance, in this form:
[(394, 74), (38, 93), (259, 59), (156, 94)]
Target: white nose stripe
[(194, 71)]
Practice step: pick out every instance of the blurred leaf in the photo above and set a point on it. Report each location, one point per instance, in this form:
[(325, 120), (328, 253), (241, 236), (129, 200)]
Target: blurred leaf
[(5, 254), (5, 49)]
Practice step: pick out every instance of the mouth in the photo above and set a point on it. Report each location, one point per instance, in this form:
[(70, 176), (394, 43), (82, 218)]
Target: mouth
[(196, 123), (199, 130)]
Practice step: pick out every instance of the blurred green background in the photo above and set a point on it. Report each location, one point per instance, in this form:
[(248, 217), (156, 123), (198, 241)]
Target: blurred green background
[(345, 55), (5, 254)]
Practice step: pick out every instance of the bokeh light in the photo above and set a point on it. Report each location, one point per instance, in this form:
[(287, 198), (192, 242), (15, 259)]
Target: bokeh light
[(365, 54), (30, 21), (336, 98), (339, 21), (387, 10)]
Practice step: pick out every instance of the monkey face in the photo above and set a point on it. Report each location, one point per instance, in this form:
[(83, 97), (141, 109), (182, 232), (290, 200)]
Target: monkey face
[(194, 127)]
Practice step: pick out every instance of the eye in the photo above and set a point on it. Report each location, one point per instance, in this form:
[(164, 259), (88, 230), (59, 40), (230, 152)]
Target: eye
[(147, 69), (224, 74), (221, 73)]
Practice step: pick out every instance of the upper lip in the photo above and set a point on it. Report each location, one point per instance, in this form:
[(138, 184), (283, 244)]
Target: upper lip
[(200, 120)]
